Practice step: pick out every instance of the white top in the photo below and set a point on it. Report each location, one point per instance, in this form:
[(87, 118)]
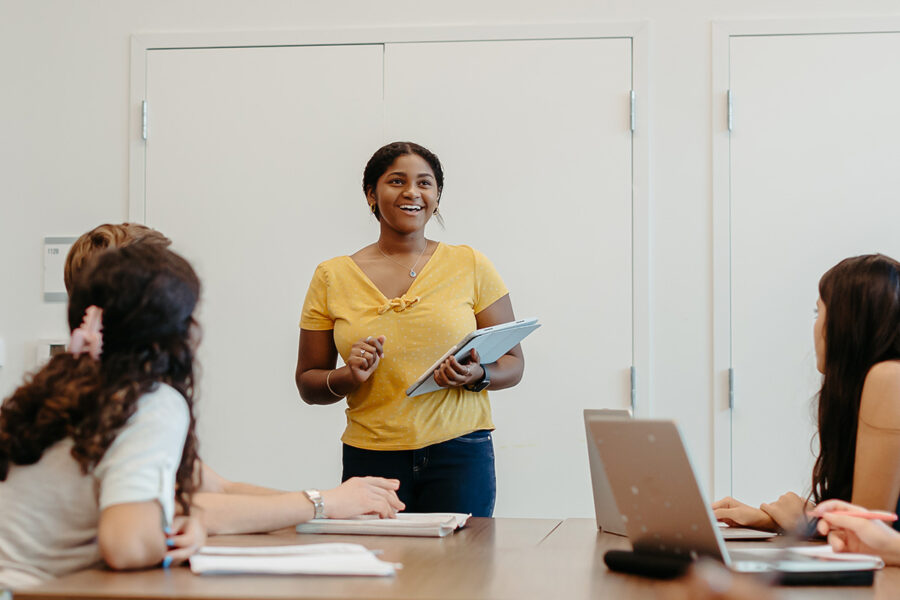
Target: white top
[(50, 510)]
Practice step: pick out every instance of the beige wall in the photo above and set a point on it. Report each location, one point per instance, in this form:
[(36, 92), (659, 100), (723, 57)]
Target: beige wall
[(64, 85)]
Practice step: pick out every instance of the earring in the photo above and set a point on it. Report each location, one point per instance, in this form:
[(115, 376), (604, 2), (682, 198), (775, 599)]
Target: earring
[(435, 211), (372, 208)]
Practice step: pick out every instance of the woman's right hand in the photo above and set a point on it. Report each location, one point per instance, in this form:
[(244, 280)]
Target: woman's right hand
[(365, 355), (788, 512), (185, 537), (363, 496), (855, 534), (737, 514)]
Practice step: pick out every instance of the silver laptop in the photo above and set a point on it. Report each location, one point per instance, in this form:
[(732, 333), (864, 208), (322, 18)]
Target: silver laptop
[(664, 509), (608, 517)]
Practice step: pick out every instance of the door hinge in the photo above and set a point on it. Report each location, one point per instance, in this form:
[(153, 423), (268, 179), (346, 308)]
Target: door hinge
[(730, 112), (144, 120), (731, 387), (631, 119), (633, 388)]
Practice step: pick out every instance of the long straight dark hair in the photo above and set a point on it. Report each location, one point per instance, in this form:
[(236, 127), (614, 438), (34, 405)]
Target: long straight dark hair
[(862, 328)]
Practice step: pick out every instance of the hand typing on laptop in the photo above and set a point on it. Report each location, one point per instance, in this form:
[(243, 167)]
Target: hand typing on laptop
[(737, 514), (788, 512), (785, 514)]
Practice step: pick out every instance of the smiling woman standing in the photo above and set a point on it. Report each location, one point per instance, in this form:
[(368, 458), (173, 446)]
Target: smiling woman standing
[(390, 310)]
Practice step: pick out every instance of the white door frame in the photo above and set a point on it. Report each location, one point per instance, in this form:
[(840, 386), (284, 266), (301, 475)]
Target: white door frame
[(722, 32), (637, 32)]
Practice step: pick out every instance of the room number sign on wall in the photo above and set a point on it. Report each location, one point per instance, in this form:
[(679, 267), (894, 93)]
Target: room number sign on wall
[(55, 251)]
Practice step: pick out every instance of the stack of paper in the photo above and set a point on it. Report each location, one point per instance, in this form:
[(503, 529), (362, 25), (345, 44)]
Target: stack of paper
[(309, 559), (413, 524)]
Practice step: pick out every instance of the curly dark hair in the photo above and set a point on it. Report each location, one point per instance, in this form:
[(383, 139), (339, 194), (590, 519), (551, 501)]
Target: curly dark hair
[(105, 236), (862, 328), (385, 156), (147, 294)]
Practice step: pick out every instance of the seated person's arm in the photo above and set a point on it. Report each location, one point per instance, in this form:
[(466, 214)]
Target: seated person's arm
[(239, 513), (876, 470), (212, 482), (137, 487), (131, 535)]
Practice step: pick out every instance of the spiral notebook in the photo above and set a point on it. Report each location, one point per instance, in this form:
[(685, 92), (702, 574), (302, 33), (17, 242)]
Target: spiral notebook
[(405, 524)]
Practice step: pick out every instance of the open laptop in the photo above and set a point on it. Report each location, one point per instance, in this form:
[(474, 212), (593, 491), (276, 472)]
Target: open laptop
[(608, 517), (664, 509)]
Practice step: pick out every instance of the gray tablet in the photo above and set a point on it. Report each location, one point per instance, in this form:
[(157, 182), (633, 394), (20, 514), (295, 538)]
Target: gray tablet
[(490, 342)]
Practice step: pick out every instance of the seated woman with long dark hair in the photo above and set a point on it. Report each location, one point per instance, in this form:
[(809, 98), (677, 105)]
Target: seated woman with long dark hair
[(98, 446), (857, 341)]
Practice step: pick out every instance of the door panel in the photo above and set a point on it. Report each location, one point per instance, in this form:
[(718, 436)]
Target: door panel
[(534, 137), (813, 169), (254, 159)]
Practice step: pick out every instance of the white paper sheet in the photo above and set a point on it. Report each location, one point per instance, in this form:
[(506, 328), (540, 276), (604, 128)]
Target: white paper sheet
[(824, 552), (306, 559)]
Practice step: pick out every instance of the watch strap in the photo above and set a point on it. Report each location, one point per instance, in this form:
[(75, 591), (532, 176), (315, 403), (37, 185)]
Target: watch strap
[(315, 496), (482, 383)]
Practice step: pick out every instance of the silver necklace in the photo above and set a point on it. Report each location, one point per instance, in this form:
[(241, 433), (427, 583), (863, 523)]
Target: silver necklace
[(412, 270)]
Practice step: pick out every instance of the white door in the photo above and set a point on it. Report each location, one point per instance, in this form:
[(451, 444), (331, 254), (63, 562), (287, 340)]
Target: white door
[(814, 151), (535, 140), (253, 163)]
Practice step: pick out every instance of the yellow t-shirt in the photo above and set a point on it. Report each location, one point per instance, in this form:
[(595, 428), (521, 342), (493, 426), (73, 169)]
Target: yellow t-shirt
[(436, 312)]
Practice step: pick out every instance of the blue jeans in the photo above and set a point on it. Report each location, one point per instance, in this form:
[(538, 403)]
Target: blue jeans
[(453, 476)]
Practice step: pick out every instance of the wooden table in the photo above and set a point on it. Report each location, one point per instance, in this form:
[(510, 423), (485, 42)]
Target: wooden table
[(580, 572), (489, 559)]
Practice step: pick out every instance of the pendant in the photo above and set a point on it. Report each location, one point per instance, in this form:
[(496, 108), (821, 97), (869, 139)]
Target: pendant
[(412, 273)]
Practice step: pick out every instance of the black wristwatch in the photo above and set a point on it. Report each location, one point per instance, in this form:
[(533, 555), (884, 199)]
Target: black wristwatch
[(482, 383)]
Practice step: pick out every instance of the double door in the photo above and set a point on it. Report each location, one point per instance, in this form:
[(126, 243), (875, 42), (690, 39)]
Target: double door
[(253, 162)]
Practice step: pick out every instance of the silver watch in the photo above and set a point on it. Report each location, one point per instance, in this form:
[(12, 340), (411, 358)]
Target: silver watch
[(315, 496)]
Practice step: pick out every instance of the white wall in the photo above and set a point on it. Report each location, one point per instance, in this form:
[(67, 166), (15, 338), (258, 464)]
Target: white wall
[(64, 83)]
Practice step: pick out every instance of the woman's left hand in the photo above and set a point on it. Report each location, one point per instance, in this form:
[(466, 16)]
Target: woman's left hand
[(453, 373)]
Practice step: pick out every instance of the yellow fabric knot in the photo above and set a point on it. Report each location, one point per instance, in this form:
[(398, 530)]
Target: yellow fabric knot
[(398, 304)]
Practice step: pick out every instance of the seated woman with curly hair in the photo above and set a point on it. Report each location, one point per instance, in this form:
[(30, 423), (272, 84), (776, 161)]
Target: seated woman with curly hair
[(98, 446)]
